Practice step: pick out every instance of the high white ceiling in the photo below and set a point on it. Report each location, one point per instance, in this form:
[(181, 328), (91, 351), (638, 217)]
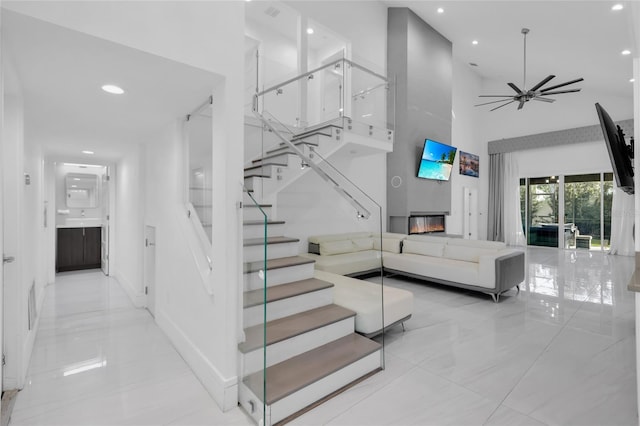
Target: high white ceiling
[(568, 39), (61, 73)]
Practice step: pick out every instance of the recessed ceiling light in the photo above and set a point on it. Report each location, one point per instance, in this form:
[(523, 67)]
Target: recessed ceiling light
[(88, 152), (626, 52), (617, 7), (631, 80), (309, 30), (474, 42), (110, 88), (440, 10)]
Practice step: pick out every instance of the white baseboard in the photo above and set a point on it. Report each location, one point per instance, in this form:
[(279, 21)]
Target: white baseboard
[(139, 300), (223, 390)]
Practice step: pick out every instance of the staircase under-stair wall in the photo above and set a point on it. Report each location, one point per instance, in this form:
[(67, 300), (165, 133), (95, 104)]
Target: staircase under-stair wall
[(299, 346)]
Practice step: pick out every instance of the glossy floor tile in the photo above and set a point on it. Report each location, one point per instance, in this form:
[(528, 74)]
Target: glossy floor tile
[(559, 352), (98, 360)]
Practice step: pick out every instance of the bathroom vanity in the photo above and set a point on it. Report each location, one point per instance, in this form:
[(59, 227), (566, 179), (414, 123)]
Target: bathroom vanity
[(78, 248)]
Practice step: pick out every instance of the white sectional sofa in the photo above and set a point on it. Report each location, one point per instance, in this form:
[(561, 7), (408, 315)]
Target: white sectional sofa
[(365, 299), (352, 254), (487, 266)]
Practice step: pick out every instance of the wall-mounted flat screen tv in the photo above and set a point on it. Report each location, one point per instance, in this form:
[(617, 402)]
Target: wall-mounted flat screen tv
[(436, 161), (620, 153)]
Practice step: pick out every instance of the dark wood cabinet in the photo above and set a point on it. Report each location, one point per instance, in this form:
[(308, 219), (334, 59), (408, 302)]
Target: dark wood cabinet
[(78, 248)]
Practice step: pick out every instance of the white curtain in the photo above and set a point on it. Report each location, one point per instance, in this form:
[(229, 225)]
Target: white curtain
[(622, 219), (513, 234)]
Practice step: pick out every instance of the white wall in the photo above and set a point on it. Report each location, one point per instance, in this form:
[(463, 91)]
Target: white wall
[(310, 206), (364, 24), (208, 35), (466, 137), (128, 223)]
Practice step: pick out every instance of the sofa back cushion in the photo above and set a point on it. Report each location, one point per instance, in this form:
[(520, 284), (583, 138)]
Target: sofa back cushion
[(391, 245), (423, 248), (319, 239), (467, 254), (330, 248), (360, 244)]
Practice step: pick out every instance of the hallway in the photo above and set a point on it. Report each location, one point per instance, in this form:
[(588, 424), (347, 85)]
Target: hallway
[(99, 360)]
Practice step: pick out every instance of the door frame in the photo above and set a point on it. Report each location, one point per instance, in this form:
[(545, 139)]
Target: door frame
[(149, 269)]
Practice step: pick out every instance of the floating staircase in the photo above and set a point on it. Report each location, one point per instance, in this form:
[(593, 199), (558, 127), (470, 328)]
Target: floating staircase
[(312, 351)]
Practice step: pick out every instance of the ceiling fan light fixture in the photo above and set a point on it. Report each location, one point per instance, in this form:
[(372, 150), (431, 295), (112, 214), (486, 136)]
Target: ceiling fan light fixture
[(535, 93)]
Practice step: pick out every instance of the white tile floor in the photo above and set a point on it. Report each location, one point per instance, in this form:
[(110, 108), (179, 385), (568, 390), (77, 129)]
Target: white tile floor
[(560, 352)]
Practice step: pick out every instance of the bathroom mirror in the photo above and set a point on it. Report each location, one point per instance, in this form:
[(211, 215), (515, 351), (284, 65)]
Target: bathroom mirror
[(82, 190)]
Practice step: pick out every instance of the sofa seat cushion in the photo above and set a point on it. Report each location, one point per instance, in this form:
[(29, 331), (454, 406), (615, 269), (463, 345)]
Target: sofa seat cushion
[(347, 263), (365, 299), (441, 268)]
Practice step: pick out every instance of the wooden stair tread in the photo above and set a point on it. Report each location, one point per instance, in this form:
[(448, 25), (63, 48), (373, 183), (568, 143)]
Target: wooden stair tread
[(261, 222), (282, 148), (262, 206), (290, 376), (284, 291), (293, 325), (270, 240), (282, 262), (259, 166)]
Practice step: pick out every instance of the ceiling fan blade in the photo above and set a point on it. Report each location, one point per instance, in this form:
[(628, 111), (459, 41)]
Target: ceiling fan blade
[(557, 92), (542, 83), (544, 100), (500, 106), (557, 86), (495, 96), (514, 87), (492, 102), (521, 104)]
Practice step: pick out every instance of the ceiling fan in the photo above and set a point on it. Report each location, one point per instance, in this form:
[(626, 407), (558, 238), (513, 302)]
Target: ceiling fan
[(536, 93)]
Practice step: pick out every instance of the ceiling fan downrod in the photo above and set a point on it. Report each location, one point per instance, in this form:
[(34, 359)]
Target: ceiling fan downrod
[(525, 31)]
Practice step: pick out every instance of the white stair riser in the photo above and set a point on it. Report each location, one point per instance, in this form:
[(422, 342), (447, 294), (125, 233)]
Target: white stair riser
[(252, 281), (274, 251), (251, 404), (257, 231), (323, 387), (290, 306), (254, 213), (281, 351)]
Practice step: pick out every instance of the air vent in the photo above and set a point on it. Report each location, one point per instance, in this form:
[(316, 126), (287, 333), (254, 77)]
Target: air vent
[(272, 11)]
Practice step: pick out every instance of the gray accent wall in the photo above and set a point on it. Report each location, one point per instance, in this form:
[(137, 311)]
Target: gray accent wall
[(420, 59)]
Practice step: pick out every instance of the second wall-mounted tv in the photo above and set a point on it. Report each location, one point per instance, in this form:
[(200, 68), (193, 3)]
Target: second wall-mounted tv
[(436, 161), (620, 153)]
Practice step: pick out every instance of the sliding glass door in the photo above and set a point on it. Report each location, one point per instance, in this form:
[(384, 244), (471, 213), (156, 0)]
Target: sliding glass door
[(582, 201), (542, 216)]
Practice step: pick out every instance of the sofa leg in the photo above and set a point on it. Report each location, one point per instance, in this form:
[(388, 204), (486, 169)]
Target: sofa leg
[(518, 288), (496, 297)]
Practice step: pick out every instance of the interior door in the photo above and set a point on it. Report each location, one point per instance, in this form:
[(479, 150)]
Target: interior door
[(470, 213), (150, 267), (104, 251)]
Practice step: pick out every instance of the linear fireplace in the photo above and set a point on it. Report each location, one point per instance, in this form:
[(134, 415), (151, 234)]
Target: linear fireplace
[(428, 223)]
